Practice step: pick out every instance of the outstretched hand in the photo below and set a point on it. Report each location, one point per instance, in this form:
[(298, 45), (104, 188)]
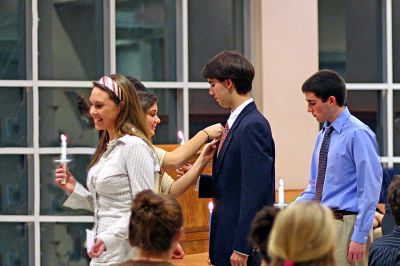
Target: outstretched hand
[(208, 151), (183, 169), (214, 131)]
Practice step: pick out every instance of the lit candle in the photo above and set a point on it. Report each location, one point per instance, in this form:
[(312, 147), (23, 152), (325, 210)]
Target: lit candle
[(210, 208), (63, 158), (63, 147), (281, 192), (181, 136)]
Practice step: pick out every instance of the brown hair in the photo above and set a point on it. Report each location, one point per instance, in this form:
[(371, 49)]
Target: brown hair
[(155, 221), (393, 197), (231, 65), (147, 100), (261, 227), (130, 119), (326, 83)]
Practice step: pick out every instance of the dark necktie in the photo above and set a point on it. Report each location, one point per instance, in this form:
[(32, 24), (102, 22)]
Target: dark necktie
[(323, 158), (224, 134)]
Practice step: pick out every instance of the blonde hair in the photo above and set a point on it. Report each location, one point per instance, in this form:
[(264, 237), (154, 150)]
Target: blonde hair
[(130, 120), (303, 233)]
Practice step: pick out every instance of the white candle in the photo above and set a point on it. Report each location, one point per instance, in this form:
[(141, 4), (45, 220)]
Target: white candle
[(63, 147), (63, 158), (281, 192), (181, 136), (210, 208)]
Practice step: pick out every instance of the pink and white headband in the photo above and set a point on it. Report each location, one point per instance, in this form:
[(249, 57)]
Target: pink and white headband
[(111, 85)]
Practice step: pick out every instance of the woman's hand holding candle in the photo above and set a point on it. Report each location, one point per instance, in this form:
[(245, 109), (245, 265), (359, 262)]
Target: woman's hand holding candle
[(62, 174)]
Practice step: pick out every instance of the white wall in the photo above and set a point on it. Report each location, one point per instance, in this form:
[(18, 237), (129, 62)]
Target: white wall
[(285, 54)]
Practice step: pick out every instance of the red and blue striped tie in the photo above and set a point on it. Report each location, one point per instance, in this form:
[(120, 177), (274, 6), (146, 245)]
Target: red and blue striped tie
[(224, 134)]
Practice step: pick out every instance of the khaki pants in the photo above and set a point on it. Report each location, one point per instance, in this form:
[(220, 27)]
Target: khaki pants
[(344, 230)]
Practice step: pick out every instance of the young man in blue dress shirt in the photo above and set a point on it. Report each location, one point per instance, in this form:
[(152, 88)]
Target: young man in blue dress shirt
[(353, 177)]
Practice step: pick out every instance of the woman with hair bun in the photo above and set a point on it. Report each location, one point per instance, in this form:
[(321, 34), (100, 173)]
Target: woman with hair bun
[(303, 235), (155, 228)]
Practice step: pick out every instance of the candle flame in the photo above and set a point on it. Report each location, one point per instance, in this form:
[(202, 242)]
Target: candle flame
[(210, 206), (181, 136), (63, 137)]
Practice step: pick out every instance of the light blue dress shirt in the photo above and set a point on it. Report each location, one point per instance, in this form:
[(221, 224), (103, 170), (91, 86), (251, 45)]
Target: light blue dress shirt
[(353, 174)]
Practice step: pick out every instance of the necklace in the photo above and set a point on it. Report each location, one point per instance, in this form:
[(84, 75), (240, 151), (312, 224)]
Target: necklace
[(111, 142)]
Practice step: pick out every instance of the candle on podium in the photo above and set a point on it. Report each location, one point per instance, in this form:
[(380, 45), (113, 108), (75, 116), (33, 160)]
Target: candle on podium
[(181, 136), (281, 195), (281, 192)]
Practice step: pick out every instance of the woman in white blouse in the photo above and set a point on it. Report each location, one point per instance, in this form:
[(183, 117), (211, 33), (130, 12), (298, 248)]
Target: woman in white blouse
[(124, 164)]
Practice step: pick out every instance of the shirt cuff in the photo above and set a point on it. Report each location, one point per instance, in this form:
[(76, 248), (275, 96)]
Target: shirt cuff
[(76, 199), (241, 253), (360, 236)]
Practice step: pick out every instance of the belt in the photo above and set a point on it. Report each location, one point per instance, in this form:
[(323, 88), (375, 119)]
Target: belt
[(338, 214)]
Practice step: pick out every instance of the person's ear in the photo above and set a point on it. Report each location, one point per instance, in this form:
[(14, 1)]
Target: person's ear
[(120, 106), (229, 84), (332, 100), (178, 236)]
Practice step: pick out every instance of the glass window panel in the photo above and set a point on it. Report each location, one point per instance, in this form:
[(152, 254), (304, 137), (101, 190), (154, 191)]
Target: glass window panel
[(396, 123), (15, 239), (370, 107), (396, 39), (206, 113), (52, 197), (16, 194), (59, 113), (350, 38), (70, 40), (13, 117), (168, 111), (146, 39), (12, 39), (214, 26), (63, 244)]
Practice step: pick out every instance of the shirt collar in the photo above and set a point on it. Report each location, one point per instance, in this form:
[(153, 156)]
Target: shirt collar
[(339, 121), (235, 113)]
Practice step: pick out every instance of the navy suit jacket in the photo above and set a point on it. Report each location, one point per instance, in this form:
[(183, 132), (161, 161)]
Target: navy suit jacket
[(242, 182)]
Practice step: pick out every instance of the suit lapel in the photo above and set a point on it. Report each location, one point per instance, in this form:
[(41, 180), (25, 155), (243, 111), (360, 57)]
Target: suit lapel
[(218, 164)]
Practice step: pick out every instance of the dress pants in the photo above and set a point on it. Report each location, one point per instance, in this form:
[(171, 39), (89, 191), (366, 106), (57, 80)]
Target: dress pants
[(344, 231)]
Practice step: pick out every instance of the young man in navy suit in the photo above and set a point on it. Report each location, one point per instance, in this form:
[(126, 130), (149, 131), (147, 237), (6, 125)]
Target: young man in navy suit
[(243, 175)]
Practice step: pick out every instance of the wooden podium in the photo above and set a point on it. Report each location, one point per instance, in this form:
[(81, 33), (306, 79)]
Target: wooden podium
[(195, 212)]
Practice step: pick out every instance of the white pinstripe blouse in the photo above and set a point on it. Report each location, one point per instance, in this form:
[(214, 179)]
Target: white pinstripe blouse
[(126, 168)]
